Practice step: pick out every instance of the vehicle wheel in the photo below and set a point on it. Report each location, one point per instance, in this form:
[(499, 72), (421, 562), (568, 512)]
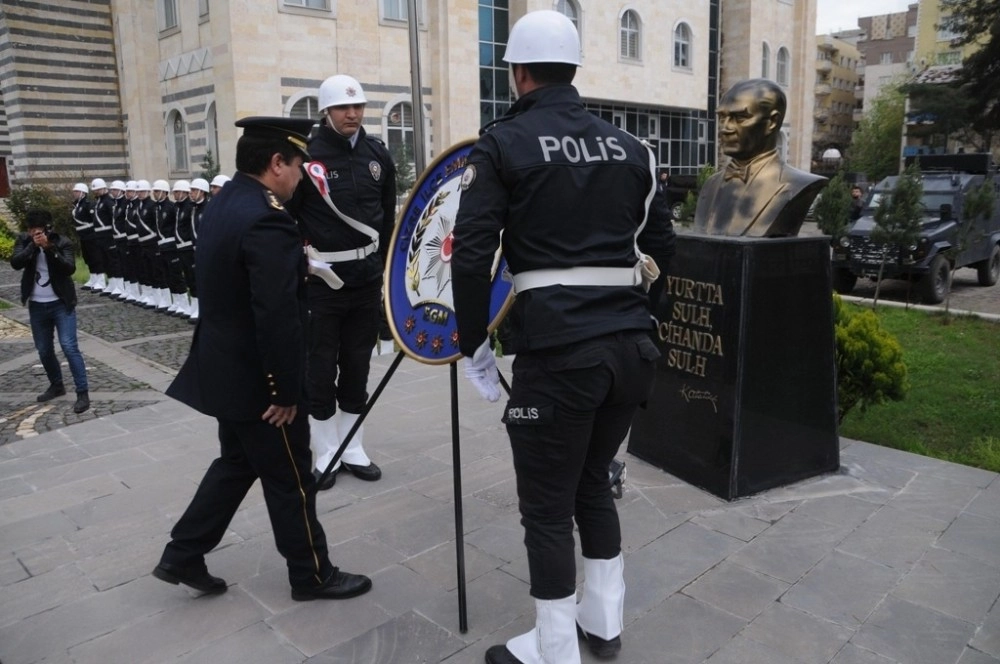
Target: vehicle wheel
[(843, 280), (937, 281), (676, 210), (989, 269)]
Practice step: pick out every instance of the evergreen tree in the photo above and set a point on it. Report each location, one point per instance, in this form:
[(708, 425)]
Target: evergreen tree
[(833, 208), (897, 217)]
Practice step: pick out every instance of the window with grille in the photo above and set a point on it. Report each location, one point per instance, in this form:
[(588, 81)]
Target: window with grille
[(629, 35)]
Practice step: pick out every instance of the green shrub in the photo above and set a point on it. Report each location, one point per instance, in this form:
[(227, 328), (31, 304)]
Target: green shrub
[(6, 246), (870, 367)]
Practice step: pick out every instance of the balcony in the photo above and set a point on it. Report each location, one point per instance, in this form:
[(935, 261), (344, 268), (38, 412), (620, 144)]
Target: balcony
[(823, 89), (859, 91), (824, 66), (821, 115), (825, 43), (858, 115)]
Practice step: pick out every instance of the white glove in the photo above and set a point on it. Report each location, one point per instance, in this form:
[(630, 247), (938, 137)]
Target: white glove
[(648, 270), (322, 269), (481, 369)]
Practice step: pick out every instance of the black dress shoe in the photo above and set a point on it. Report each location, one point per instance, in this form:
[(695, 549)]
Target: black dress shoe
[(82, 402), (330, 480), (369, 473), (55, 390), (340, 585), (598, 647), (500, 655), (199, 579)]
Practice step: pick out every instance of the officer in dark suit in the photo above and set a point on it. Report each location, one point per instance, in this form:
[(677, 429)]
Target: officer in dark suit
[(247, 369)]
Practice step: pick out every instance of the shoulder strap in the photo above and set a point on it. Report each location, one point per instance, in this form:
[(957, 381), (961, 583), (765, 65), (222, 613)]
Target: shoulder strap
[(316, 171)]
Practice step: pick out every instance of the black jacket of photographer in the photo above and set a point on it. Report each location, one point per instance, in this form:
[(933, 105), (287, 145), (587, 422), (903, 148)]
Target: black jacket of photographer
[(362, 183), (61, 262)]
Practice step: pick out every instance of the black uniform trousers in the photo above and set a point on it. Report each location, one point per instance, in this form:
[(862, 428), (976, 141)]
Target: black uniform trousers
[(281, 458), (569, 410), (173, 268), (153, 275), (187, 269), (91, 254), (104, 246), (343, 330)]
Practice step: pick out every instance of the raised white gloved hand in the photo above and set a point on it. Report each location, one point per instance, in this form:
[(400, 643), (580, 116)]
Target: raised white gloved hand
[(648, 270), (322, 269), (481, 370)]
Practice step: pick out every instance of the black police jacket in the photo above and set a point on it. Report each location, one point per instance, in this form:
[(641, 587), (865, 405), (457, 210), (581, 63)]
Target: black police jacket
[(118, 224), (362, 183), (567, 189), (61, 262), (166, 224), (83, 218), (104, 214), (184, 224), (144, 221), (248, 350)]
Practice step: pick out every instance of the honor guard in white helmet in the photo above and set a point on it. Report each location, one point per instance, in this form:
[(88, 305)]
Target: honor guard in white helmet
[(217, 183), (83, 224), (346, 210), (182, 289), (566, 194), (103, 216)]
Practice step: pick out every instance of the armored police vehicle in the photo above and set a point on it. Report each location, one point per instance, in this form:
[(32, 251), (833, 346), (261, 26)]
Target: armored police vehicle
[(945, 241)]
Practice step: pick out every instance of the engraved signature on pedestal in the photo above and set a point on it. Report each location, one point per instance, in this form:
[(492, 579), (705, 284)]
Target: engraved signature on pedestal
[(700, 395)]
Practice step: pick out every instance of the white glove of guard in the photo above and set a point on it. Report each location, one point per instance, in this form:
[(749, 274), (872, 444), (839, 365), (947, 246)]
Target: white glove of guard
[(649, 271), (481, 370), (322, 269)]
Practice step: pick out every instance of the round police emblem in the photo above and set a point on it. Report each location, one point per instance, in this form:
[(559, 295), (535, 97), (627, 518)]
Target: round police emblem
[(418, 299), (468, 177), (376, 170)]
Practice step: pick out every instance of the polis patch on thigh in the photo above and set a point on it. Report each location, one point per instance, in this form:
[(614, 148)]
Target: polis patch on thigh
[(529, 414)]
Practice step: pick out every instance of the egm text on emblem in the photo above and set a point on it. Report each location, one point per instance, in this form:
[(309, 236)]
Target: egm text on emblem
[(468, 177), (376, 170)]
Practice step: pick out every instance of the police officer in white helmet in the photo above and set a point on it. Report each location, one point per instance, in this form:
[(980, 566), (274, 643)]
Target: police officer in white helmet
[(217, 183), (346, 210), (567, 194)]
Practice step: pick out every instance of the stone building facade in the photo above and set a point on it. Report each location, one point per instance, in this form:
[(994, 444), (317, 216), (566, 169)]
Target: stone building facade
[(149, 88), (837, 65)]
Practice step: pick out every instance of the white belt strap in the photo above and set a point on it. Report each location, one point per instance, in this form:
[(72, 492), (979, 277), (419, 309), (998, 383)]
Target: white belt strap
[(348, 254), (317, 175), (577, 276)]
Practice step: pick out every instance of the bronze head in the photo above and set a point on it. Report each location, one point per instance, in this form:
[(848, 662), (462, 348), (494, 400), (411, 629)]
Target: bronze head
[(750, 115)]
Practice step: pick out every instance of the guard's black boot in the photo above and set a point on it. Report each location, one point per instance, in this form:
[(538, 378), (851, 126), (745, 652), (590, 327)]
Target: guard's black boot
[(55, 390), (82, 402)]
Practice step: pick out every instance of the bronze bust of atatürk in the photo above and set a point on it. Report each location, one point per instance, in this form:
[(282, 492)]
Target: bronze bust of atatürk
[(756, 194)]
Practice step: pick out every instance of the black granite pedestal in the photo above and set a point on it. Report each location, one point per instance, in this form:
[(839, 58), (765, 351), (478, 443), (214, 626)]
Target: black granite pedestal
[(745, 398)]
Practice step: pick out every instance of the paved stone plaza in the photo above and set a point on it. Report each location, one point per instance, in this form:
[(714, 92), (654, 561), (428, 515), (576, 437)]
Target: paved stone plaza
[(894, 560)]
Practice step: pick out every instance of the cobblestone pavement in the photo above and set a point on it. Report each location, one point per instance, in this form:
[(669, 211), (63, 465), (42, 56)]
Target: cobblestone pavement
[(113, 335)]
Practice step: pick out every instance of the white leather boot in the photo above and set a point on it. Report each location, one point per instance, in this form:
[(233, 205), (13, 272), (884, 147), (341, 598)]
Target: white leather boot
[(324, 442), (100, 282), (193, 310), (117, 287), (552, 641), (148, 297), (354, 458), (600, 613), (90, 281)]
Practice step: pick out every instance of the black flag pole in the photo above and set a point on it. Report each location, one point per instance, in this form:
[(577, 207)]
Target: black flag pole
[(456, 460)]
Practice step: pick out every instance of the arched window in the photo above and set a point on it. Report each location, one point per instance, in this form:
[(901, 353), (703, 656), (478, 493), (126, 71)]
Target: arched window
[(177, 142), (569, 9), (307, 107), (782, 66), (682, 46), (399, 132), (630, 33), (765, 60), (212, 132)]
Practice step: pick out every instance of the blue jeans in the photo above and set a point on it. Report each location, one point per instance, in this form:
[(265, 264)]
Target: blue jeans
[(49, 316)]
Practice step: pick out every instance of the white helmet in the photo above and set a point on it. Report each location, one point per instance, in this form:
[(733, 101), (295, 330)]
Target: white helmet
[(81, 187), (199, 183), (131, 185), (119, 185), (98, 183), (341, 90), (142, 185), (542, 36), (182, 185), (220, 180), (161, 185)]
